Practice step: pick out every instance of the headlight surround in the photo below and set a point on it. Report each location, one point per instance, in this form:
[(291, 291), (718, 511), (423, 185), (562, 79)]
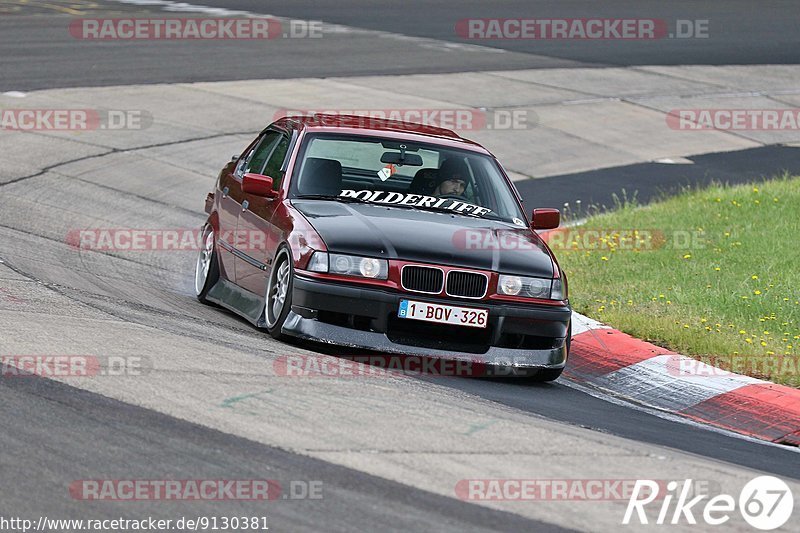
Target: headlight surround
[(349, 265), (558, 292), (542, 288)]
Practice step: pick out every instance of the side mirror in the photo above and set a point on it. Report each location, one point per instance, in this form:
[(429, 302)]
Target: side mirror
[(258, 185), (545, 218)]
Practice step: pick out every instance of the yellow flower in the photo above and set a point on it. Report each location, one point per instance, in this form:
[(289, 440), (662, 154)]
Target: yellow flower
[(756, 292), (748, 340), (763, 343), (604, 258), (753, 277), (716, 268), (742, 332), (755, 189), (686, 326), (687, 256)]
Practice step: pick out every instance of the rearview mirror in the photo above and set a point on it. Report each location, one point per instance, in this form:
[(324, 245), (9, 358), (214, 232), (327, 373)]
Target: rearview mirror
[(258, 185), (545, 218), (397, 158)]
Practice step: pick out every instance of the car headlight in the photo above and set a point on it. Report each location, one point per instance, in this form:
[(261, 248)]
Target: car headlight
[(549, 289), (349, 265)]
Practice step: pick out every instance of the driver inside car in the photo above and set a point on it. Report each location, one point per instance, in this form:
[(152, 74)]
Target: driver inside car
[(451, 178)]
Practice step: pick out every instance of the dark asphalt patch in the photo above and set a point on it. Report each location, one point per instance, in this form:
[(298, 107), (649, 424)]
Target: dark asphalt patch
[(647, 182)]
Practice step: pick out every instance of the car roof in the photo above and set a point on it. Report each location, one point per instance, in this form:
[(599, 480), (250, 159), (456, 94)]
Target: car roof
[(379, 127)]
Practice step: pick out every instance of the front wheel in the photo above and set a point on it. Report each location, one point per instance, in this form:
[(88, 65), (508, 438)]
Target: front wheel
[(278, 300), (206, 272)]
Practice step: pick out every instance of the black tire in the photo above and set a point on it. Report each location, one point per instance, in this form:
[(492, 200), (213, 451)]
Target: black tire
[(281, 280), (204, 281)]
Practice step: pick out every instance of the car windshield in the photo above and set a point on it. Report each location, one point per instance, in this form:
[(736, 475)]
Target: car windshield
[(404, 174)]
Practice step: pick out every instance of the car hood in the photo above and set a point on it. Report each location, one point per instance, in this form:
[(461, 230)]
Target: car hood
[(427, 237)]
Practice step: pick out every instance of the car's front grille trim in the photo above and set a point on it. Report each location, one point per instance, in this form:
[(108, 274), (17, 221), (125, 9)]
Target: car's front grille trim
[(466, 284), (424, 279)]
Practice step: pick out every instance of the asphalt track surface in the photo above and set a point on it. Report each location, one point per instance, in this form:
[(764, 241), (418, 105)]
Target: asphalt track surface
[(77, 431), (55, 433), (39, 52)]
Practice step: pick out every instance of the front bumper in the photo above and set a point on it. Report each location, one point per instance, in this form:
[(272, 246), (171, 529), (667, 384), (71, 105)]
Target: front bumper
[(517, 336)]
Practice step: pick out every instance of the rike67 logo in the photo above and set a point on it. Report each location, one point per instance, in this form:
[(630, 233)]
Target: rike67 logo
[(765, 503)]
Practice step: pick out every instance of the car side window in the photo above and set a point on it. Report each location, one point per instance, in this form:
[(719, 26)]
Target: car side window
[(256, 159), (275, 162)]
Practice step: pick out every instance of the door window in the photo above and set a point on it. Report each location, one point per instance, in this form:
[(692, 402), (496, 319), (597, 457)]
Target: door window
[(257, 158), (275, 162)]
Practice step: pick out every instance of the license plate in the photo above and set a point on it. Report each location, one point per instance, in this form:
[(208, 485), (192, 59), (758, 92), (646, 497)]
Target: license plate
[(443, 314)]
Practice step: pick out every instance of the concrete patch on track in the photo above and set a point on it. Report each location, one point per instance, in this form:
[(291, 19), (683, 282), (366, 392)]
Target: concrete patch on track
[(572, 123)]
